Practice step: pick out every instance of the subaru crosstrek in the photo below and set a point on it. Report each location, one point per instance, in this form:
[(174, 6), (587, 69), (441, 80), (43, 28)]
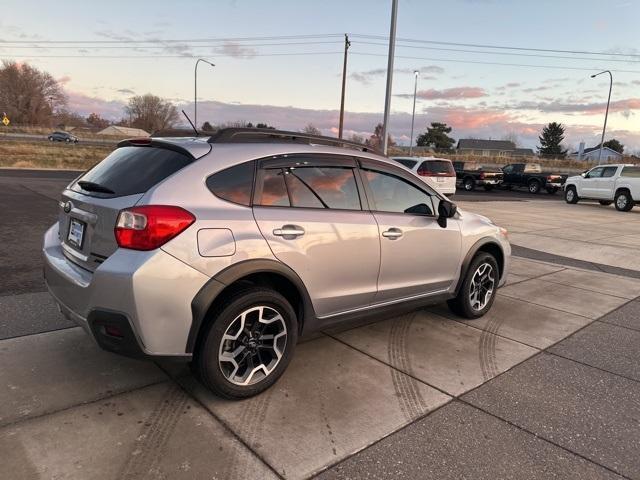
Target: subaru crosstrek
[(224, 250)]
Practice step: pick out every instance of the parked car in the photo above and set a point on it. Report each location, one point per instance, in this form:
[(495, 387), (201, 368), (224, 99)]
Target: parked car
[(617, 184), (438, 171), (531, 176), (472, 175), (223, 250), (62, 137)]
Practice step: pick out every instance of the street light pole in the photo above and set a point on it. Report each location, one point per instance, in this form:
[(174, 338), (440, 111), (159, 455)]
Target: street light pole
[(195, 90), (387, 100), (604, 128), (413, 115), (347, 44)]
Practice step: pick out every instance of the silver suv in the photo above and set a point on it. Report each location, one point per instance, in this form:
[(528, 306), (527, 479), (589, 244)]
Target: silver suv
[(224, 250)]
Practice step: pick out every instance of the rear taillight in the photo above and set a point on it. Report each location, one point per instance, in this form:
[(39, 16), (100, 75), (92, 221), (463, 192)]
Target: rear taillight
[(481, 175), (150, 226)]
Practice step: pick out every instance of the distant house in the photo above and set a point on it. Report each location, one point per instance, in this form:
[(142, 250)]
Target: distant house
[(486, 148), (592, 155), (118, 131), (523, 152)]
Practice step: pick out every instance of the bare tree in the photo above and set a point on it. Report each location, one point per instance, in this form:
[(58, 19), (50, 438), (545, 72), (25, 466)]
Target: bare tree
[(151, 113), (96, 121), (28, 95), (311, 129), (357, 138), (375, 140)]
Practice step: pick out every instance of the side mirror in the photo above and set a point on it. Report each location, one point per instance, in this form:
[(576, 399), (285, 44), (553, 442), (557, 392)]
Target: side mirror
[(583, 174), (446, 210)]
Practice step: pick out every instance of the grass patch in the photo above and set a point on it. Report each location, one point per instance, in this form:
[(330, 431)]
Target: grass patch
[(26, 154)]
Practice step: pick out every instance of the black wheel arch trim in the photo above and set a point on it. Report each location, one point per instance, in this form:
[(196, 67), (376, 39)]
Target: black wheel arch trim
[(475, 248), (205, 297)]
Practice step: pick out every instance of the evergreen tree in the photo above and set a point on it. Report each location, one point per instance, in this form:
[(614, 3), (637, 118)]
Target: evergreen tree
[(551, 140), (436, 136), (614, 144)]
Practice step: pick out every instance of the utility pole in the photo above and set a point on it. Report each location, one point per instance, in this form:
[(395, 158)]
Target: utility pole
[(387, 100), (347, 44), (604, 128)]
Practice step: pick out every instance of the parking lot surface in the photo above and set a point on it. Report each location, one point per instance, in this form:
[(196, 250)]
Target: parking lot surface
[(547, 385)]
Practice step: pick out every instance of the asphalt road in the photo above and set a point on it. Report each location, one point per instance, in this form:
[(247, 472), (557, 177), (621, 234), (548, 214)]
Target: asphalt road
[(43, 138)]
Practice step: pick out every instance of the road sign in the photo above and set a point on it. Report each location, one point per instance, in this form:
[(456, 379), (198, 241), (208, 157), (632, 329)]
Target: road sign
[(6, 121)]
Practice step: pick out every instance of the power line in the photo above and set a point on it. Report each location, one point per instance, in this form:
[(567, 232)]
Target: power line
[(500, 47), (480, 62), (110, 47), (239, 56), (192, 40), (536, 55)]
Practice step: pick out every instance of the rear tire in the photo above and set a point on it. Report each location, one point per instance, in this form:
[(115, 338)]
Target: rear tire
[(623, 201), (235, 348), (534, 186), (469, 184), (571, 195), (478, 290), (605, 203)]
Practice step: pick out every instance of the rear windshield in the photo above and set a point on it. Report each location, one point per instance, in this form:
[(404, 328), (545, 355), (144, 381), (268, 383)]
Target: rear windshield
[(408, 163), (436, 167), (130, 170), (631, 172)]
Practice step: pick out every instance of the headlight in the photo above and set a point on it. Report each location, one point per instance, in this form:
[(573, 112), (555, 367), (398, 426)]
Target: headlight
[(504, 232)]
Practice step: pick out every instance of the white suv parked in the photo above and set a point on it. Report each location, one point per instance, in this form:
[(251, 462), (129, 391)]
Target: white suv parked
[(436, 172), (618, 184)]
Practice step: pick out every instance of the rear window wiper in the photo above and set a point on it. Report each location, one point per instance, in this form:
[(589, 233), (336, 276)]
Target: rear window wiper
[(94, 187)]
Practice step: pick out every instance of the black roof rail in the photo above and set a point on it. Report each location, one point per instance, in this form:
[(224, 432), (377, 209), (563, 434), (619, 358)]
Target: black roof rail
[(269, 135)]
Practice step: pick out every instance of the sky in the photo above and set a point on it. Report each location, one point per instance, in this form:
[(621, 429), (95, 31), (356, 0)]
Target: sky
[(480, 91)]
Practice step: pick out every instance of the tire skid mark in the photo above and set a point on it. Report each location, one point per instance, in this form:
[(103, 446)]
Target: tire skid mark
[(325, 420), (407, 389), (487, 348), (251, 421), (157, 429)]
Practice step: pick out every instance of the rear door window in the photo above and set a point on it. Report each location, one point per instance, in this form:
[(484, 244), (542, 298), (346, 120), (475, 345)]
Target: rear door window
[(130, 170), (274, 191), (633, 172)]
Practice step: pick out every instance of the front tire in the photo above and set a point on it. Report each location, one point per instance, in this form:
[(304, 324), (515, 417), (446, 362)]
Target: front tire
[(248, 344), (488, 188), (623, 201), (571, 195), (478, 290)]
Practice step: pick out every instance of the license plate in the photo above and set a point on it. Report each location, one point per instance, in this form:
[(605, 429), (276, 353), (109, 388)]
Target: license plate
[(439, 179), (76, 233)]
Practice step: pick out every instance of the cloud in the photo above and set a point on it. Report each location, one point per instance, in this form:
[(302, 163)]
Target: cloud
[(64, 79), (125, 91), (448, 93), (593, 108), (235, 50), (368, 76), (84, 105), (541, 88)]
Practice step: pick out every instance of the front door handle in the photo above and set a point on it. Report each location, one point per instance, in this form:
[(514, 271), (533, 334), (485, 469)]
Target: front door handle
[(289, 231), (392, 233)]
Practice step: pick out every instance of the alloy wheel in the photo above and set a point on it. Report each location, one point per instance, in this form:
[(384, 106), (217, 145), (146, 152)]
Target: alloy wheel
[(482, 286), (570, 194), (621, 202), (252, 345)]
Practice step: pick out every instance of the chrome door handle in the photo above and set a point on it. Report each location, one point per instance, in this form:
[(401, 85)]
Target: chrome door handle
[(392, 233), (289, 231)]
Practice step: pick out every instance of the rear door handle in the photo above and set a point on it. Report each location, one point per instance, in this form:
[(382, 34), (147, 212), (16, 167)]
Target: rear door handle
[(289, 231), (392, 233)]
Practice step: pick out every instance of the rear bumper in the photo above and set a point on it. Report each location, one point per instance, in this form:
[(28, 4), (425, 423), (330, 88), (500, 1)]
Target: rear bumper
[(147, 295)]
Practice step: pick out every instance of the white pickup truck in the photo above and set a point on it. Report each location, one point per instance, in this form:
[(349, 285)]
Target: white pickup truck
[(618, 184)]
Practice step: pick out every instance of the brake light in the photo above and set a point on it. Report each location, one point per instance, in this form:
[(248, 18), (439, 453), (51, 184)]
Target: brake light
[(481, 175), (151, 226), (140, 141)]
